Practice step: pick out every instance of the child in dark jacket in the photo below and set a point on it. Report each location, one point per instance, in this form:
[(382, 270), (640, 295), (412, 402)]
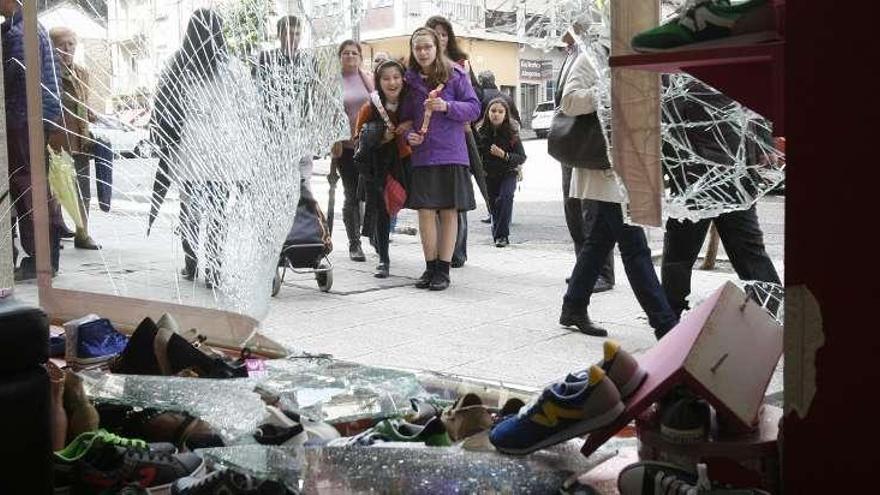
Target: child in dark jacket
[(382, 156), (502, 152)]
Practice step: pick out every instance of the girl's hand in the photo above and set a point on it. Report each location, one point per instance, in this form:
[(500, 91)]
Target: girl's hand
[(436, 104), (415, 139), (495, 150), (403, 128)]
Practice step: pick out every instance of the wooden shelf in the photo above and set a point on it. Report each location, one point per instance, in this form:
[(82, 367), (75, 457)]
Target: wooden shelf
[(751, 74)]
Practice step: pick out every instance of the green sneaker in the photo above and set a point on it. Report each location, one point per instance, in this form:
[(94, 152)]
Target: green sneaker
[(703, 23), (81, 445), (433, 433)]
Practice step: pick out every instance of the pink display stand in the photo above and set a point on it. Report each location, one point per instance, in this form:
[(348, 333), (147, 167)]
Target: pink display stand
[(725, 350)]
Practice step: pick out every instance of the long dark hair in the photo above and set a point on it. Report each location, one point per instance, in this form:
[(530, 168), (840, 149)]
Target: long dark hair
[(453, 51), (204, 46), (377, 76), (440, 71), (508, 130)]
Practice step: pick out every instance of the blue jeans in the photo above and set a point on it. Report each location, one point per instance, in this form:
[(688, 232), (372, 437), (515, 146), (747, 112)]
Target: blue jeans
[(607, 231), (501, 190)]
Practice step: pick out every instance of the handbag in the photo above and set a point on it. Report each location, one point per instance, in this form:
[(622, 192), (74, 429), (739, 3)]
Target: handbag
[(578, 141), (395, 195)]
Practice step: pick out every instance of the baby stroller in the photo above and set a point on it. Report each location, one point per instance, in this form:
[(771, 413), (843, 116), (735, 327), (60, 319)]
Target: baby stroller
[(307, 245)]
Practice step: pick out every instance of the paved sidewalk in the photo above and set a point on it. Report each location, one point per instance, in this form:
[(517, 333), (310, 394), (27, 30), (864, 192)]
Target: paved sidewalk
[(498, 321)]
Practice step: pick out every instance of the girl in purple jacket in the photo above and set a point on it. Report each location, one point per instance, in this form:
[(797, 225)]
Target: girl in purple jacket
[(440, 100)]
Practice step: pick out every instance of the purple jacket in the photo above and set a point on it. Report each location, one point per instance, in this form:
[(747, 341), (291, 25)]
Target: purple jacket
[(444, 143)]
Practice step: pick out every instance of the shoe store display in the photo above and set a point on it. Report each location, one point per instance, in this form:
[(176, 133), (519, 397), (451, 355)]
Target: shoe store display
[(177, 428), (82, 416), (563, 410), (659, 478), (290, 428), (91, 340), (466, 417), (705, 23), (422, 411), (227, 482)]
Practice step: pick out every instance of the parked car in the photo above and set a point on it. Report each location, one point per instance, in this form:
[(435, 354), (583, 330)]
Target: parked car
[(127, 140), (541, 118)]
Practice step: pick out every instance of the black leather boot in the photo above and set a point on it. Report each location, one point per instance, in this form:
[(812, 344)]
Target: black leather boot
[(578, 317)]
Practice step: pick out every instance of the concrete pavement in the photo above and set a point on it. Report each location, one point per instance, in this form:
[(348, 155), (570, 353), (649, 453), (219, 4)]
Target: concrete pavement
[(496, 322)]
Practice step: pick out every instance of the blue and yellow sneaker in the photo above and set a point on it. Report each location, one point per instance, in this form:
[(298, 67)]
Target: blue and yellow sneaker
[(704, 23), (564, 410)]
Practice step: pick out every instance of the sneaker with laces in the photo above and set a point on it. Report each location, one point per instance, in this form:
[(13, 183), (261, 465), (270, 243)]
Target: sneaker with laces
[(564, 410), (227, 482), (659, 478), (623, 370), (704, 23)]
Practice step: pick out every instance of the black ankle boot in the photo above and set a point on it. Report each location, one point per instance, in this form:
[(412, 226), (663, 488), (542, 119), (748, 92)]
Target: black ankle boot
[(425, 280), (440, 280), (578, 317)]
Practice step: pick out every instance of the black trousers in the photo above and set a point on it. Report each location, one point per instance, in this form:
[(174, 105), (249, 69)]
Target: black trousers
[(743, 241), (580, 216), (205, 201), (351, 208)]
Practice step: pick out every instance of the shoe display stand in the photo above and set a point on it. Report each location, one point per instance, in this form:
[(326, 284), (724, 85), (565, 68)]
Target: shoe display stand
[(746, 459), (725, 350)]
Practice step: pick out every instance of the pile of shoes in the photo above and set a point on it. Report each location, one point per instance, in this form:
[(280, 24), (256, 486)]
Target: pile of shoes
[(161, 348), (293, 429), (465, 423), (582, 402)]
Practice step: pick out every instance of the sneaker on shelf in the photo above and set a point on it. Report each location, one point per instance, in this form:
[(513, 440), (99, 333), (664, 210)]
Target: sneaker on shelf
[(154, 425), (564, 410), (684, 419), (706, 23), (466, 417), (623, 370), (82, 444), (659, 478), (511, 406), (227, 482), (91, 340)]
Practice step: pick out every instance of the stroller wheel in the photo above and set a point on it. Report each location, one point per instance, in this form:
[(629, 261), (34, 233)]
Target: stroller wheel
[(325, 279), (276, 283)]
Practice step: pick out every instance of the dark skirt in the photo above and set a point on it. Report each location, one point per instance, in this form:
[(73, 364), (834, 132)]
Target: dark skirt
[(441, 187)]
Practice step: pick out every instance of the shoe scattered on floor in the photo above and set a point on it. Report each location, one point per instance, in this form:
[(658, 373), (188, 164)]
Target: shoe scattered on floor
[(562, 411), (356, 253), (658, 478), (623, 370), (466, 417), (602, 285), (705, 23), (227, 482), (91, 340), (578, 317)]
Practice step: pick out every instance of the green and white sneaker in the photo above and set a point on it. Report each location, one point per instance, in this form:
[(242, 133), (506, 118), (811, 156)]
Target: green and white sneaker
[(704, 23)]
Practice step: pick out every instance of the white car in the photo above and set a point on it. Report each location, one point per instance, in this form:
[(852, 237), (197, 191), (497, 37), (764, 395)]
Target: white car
[(127, 140), (542, 117)]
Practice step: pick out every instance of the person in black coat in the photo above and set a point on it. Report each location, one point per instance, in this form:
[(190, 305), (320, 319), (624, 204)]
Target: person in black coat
[(491, 91), (502, 153)]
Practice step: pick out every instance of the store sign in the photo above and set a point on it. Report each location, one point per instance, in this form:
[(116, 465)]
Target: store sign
[(535, 70)]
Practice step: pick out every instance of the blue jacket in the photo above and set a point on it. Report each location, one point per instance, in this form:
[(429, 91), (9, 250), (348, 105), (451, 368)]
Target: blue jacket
[(14, 74), (445, 142)]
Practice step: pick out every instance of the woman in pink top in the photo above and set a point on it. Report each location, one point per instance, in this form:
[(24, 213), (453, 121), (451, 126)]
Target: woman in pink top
[(356, 87)]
